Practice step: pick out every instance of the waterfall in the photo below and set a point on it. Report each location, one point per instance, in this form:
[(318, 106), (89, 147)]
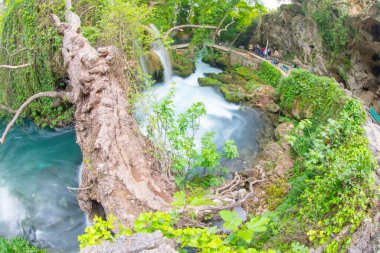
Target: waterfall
[(162, 53), (143, 65)]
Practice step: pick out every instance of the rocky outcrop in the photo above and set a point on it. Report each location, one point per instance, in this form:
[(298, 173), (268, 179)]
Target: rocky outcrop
[(138, 243), (265, 98), (274, 161), (294, 32)]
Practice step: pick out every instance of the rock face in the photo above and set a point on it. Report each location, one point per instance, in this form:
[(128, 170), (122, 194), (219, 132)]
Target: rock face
[(373, 134), (293, 31), (138, 243)]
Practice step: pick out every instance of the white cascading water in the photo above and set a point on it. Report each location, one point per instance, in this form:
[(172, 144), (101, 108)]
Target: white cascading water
[(227, 120), (162, 53)]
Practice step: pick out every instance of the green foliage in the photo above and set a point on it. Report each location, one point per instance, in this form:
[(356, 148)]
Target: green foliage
[(230, 150), (275, 192), (216, 58), (206, 239), (183, 62), (102, 230), (333, 174), (334, 25), (238, 239), (174, 143), (311, 96), (269, 74), (17, 245), (339, 166), (29, 36)]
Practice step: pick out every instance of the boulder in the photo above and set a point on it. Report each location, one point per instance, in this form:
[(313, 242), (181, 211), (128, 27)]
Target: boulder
[(137, 243)]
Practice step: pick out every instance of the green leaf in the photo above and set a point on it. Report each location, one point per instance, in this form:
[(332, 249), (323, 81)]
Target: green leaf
[(179, 199), (258, 224), (231, 220)]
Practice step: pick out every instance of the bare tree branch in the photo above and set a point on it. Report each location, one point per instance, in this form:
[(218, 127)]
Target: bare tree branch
[(226, 28), (219, 26), (8, 109), (168, 32), (51, 94), (14, 67), (152, 3)]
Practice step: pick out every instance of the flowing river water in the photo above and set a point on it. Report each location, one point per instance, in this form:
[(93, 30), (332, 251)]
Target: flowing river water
[(229, 121), (37, 165)]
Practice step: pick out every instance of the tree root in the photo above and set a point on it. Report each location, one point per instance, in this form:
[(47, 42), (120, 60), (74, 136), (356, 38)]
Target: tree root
[(228, 193)]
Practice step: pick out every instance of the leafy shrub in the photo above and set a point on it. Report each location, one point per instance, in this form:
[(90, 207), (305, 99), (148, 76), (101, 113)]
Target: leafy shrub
[(339, 165), (216, 58), (17, 245), (237, 239), (174, 142), (269, 74), (310, 95), (102, 230)]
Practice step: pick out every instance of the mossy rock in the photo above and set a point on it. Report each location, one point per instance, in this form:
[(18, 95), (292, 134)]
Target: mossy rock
[(233, 96), (183, 61), (154, 66), (273, 108), (217, 58), (207, 81)]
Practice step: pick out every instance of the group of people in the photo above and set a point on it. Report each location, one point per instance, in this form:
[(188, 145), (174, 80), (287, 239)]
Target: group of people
[(263, 52)]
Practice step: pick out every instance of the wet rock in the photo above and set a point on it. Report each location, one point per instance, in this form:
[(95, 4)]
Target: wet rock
[(144, 243)]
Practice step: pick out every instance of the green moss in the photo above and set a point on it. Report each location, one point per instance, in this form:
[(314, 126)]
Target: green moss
[(232, 95), (207, 81)]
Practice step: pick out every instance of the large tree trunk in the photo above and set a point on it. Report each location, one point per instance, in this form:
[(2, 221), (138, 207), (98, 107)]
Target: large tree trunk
[(119, 175)]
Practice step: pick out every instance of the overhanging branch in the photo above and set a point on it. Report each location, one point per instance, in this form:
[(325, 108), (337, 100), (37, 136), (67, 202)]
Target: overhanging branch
[(14, 67), (168, 32), (51, 94), (226, 28)]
